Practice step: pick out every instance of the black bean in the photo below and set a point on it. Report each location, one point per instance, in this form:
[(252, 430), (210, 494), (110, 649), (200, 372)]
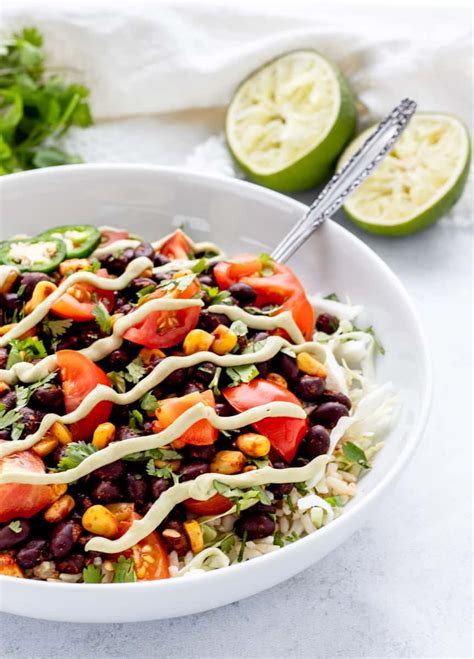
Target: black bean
[(118, 359), (72, 564), (141, 282), (136, 488), (159, 277), (90, 333), (158, 486), (11, 301), (8, 400), (28, 280), (116, 263), (327, 323), (31, 554), (269, 508), (224, 409), (124, 432), (328, 414), (309, 388), (206, 452), (192, 387), (31, 419), (279, 489), (111, 471), (9, 538), (288, 366), (316, 442), (64, 537), (48, 397), (3, 357), (83, 500), (243, 293), (335, 397), (144, 249), (254, 525), (205, 372), (209, 321), (260, 336), (192, 470), (106, 492), (5, 435), (264, 368), (67, 342), (175, 379), (160, 259), (207, 280)]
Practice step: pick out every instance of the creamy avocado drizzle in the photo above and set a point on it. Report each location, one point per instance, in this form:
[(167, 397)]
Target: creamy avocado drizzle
[(202, 487)]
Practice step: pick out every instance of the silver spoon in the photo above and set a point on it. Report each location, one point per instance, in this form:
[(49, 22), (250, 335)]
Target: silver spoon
[(351, 176)]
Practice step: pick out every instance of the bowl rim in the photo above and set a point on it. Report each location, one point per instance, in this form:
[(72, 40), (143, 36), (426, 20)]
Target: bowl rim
[(414, 435)]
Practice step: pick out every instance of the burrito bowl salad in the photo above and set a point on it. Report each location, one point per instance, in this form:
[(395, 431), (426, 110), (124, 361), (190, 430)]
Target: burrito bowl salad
[(165, 410)]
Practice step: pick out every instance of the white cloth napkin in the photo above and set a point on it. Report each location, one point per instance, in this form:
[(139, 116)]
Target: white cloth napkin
[(161, 72)]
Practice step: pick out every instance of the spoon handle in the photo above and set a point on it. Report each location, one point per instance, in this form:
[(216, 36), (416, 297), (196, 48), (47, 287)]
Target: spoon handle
[(348, 179)]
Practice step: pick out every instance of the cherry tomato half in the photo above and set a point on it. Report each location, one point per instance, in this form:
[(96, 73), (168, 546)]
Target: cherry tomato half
[(164, 329), (20, 499), (150, 557), (79, 376), (81, 309), (109, 236), (281, 287), (284, 433), (169, 409), (216, 505), (177, 247)]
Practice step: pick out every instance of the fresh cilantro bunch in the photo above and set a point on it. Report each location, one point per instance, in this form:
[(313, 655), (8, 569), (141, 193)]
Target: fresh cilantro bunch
[(36, 109)]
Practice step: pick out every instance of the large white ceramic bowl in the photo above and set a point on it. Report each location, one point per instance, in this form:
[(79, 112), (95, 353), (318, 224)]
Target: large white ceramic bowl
[(240, 217)]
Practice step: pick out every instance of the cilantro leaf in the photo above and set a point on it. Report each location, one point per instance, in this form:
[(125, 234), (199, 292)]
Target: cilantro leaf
[(200, 266), (9, 418), (118, 380), (15, 526), (239, 328), (74, 454), (135, 371), (102, 318), (155, 454), (244, 373), (161, 472), (124, 570), (149, 402), (56, 328), (217, 296), (355, 454), (227, 543), (92, 574), (26, 350)]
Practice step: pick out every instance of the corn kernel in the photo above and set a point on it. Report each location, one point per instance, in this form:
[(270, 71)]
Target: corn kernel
[(310, 365), (59, 510), (10, 279), (228, 462), (56, 491), (253, 445), (45, 446), (73, 265), (150, 355), (278, 379), (248, 468), (4, 388), (100, 521), (225, 340), (194, 533), (42, 290), (103, 435), (61, 433), (4, 329), (197, 340)]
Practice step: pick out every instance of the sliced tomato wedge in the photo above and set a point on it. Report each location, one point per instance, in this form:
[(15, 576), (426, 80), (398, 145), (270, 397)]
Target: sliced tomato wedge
[(20, 499), (177, 247), (69, 306), (282, 287), (164, 329), (216, 505), (169, 409), (150, 557), (109, 236), (79, 376), (284, 433)]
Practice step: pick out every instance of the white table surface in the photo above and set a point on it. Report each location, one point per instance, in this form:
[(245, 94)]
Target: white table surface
[(400, 587)]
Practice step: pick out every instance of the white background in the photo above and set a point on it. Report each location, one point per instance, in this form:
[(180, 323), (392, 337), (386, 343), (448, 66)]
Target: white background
[(400, 587)]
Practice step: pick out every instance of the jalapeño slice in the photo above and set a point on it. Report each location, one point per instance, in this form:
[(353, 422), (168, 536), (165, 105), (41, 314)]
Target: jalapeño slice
[(33, 254), (80, 239)]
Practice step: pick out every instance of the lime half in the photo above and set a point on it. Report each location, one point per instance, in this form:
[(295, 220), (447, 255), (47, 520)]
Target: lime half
[(418, 182), (288, 122)]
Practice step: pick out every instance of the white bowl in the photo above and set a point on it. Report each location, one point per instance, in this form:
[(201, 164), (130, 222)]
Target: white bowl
[(240, 217)]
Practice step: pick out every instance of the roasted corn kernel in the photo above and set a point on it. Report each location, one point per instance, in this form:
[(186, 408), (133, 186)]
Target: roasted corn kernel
[(253, 444), (42, 290), (73, 265), (59, 510), (278, 379), (9, 567), (103, 435), (10, 279), (57, 490), (197, 340), (150, 355), (194, 533), (100, 521), (61, 433), (225, 340), (228, 462), (310, 365), (45, 446)]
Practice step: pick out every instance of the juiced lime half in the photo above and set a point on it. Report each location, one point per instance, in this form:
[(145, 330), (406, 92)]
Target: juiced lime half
[(418, 182), (288, 122)]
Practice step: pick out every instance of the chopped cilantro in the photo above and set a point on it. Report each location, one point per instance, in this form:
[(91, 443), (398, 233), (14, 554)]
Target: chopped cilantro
[(143, 292), (23, 394), (56, 328), (124, 570), (227, 543), (15, 526), (217, 296), (135, 420), (117, 379), (74, 454), (355, 455), (332, 296), (155, 454), (149, 402), (135, 371), (244, 373), (8, 418), (26, 350), (200, 266), (239, 328), (102, 318), (214, 383), (278, 539), (92, 574), (161, 472)]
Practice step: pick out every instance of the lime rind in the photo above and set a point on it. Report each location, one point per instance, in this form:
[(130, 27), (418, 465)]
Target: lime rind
[(405, 197), (298, 157)]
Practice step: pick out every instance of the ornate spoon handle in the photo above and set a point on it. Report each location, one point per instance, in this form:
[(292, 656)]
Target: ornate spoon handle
[(351, 176)]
